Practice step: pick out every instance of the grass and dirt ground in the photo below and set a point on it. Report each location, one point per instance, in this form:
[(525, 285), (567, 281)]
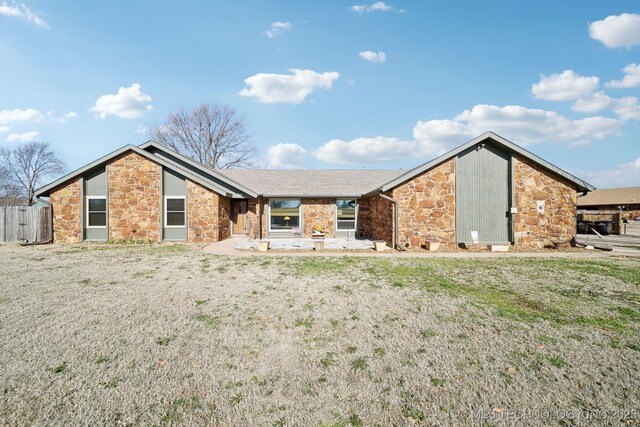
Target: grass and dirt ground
[(169, 335)]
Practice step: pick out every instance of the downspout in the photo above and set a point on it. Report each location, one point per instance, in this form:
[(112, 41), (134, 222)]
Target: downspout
[(395, 215)]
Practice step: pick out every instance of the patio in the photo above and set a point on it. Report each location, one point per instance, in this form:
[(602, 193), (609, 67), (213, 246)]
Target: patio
[(292, 244)]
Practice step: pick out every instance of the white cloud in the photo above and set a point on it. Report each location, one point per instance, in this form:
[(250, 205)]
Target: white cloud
[(631, 78), (626, 108), (128, 103), (4, 128), (595, 102), (376, 57), (565, 86), (286, 156), (69, 116), (22, 11), (287, 88), (277, 28), (617, 30), (436, 137), (623, 175), (142, 129), (522, 125), (365, 150), (531, 126), (22, 137), (378, 6), (8, 117)]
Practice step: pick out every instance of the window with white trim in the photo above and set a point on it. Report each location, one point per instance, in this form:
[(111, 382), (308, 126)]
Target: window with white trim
[(346, 214), (96, 211), (175, 213)]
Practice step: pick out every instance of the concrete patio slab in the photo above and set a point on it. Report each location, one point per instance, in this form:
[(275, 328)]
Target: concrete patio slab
[(286, 244)]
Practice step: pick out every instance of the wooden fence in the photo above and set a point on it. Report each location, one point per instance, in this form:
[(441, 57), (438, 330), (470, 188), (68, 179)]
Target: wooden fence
[(25, 224)]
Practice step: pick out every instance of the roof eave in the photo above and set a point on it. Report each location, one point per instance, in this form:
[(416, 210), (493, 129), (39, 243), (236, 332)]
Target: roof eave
[(580, 185), (221, 176), (44, 191)]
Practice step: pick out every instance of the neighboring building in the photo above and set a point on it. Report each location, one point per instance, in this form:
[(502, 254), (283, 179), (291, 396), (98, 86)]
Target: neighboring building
[(626, 200), (488, 190)]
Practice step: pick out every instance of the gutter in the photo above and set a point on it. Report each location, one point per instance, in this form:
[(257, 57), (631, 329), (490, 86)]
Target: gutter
[(395, 214)]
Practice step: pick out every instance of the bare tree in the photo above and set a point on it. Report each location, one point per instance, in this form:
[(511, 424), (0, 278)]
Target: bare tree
[(210, 134), (27, 165)]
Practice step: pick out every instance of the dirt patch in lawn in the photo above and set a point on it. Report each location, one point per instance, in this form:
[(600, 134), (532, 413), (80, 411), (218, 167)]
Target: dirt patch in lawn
[(165, 334)]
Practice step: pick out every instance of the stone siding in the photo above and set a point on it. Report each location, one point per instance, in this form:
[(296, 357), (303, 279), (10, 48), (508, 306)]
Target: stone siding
[(202, 214), (375, 219), (67, 212), (558, 222), (208, 215), (134, 198), (321, 212), (427, 207), (254, 207), (224, 217)]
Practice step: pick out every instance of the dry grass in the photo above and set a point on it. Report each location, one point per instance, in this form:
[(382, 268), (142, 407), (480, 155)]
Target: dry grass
[(167, 335)]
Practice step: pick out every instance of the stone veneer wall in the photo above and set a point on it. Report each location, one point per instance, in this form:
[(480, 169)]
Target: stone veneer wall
[(558, 222), (253, 211), (375, 219), (134, 198), (202, 214), (427, 207), (67, 212), (318, 211), (224, 218)]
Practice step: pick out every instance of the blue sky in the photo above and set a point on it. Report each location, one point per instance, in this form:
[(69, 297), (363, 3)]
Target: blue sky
[(332, 84)]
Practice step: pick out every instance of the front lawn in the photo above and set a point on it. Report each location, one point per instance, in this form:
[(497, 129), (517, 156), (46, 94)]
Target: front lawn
[(142, 335)]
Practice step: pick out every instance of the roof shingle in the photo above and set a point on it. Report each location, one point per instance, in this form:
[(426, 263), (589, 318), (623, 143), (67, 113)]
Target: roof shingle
[(611, 196), (312, 182)]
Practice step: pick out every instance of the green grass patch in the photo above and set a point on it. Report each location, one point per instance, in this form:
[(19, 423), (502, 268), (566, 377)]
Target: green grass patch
[(306, 323), (101, 359), (163, 341), (60, 369), (328, 360), (360, 364), (147, 274), (112, 383), (212, 321)]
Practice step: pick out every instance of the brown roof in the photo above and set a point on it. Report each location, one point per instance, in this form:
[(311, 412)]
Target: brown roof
[(312, 182), (611, 196)]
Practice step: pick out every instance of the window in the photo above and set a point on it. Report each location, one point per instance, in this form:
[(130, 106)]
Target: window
[(96, 211), (174, 212), (284, 214), (346, 214)]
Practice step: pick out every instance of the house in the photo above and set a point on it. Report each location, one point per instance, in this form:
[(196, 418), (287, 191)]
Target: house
[(626, 200), (488, 190)]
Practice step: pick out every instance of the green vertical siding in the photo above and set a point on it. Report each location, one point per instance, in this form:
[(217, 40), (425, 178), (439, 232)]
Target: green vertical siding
[(95, 184), (483, 188), (173, 184)]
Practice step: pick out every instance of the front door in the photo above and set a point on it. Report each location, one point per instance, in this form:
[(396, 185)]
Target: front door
[(240, 217)]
